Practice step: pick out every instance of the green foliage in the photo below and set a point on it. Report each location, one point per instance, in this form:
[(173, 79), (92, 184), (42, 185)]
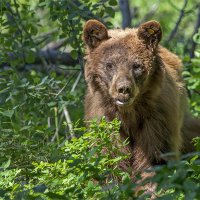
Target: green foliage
[(192, 77), (41, 157), (17, 21), (30, 107), (25, 20), (89, 169), (8, 178), (180, 179)]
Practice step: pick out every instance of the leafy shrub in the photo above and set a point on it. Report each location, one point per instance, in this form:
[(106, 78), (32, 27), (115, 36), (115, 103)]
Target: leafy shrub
[(88, 170), (179, 179), (31, 112), (192, 77), (25, 21)]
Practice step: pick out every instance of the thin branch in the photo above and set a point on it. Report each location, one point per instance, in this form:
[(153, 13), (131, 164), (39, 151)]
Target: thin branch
[(197, 26), (56, 135), (76, 82), (173, 5), (151, 12), (55, 45), (65, 85), (56, 57), (46, 34), (69, 122), (181, 15), (126, 14), (65, 111)]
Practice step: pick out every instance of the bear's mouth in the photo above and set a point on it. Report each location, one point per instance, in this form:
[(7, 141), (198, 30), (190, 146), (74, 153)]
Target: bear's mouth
[(124, 102)]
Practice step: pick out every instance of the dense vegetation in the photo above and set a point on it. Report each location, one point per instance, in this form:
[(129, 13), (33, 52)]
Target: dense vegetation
[(44, 152)]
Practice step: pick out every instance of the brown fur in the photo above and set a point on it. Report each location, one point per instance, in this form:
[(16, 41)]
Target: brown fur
[(130, 77)]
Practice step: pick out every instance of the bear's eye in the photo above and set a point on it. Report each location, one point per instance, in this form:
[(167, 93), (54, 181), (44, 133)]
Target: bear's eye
[(137, 68), (109, 66)]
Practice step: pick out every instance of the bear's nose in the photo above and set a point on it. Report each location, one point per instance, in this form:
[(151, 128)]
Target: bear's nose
[(124, 89)]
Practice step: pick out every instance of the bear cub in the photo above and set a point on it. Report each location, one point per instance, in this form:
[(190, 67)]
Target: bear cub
[(131, 77)]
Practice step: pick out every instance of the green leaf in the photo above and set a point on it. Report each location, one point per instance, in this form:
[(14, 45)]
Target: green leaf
[(74, 54), (30, 57), (25, 128), (5, 165), (33, 30), (113, 2), (51, 104), (8, 113), (110, 11), (196, 38)]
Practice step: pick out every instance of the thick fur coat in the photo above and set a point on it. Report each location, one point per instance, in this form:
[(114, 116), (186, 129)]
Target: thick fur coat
[(131, 77)]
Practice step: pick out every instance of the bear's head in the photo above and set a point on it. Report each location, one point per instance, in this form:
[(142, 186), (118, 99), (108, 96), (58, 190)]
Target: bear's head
[(120, 63)]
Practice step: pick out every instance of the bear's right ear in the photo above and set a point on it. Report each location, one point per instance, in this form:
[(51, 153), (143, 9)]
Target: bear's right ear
[(94, 32), (150, 32)]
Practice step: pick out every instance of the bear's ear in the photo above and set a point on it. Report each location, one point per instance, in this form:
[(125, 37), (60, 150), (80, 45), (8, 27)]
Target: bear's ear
[(150, 32), (94, 32)]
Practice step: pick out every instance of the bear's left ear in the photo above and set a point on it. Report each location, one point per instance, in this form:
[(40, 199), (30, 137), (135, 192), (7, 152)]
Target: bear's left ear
[(150, 32), (94, 32)]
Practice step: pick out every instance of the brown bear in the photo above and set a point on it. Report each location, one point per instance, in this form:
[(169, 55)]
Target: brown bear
[(131, 77)]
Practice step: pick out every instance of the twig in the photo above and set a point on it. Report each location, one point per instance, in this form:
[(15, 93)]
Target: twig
[(65, 110), (76, 82), (182, 13), (69, 122), (46, 34), (197, 26), (174, 6), (59, 125), (65, 85), (151, 12), (49, 122), (55, 45), (56, 135)]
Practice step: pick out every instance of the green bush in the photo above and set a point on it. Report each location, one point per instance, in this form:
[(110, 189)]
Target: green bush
[(192, 77), (89, 169)]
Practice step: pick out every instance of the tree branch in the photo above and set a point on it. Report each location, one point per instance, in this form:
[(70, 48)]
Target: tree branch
[(197, 26), (55, 45), (50, 55), (174, 31), (55, 57), (126, 14), (151, 12)]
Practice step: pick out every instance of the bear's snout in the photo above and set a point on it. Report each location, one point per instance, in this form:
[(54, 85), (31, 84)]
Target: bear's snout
[(124, 88)]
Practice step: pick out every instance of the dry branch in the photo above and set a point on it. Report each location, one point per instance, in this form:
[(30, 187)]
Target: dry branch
[(55, 45), (54, 57), (181, 15), (49, 55), (197, 26), (151, 12)]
